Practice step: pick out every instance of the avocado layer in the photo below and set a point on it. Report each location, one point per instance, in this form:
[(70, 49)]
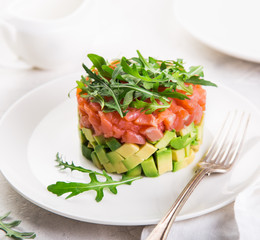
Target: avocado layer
[(174, 151)]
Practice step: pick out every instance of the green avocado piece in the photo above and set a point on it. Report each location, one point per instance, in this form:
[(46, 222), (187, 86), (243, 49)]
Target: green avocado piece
[(164, 160), (127, 149), (95, 160), (188, 130), (113, 144), (196, 147), (82, 136), (178, 165), (135, 172), (165, 140), (86, 152), (88, 134), (182, 164), (187, 150), (199, 129), (149, 167), (91, 145), (182, 141), (116, 160), (146, 151), (109, 167), (132, 161), (100, 140), (178, 155), (101, 154)]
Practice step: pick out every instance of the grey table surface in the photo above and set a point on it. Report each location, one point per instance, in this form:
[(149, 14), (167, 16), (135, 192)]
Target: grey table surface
[(240, 75)]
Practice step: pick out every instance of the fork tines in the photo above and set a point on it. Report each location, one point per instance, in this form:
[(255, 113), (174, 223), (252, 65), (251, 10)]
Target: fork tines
[(229, 140)]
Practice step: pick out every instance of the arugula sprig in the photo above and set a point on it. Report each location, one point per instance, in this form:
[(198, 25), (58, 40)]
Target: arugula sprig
[(139, 83), (75, 188), (7, 228)]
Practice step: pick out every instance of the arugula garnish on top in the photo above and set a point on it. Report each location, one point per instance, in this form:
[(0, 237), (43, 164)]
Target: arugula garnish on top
[(137, 82)]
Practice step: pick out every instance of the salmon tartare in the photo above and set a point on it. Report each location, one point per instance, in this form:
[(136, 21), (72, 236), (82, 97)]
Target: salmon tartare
[(141, 116)]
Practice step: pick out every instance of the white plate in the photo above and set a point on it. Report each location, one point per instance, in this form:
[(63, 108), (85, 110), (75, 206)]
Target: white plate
[(228, 26), (44, 122)]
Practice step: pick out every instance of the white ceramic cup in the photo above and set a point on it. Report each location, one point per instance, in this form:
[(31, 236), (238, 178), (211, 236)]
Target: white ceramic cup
[(47, 34)]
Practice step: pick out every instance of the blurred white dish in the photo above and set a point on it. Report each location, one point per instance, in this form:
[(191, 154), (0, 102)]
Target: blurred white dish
[(229, 26), (44, 122), (47, 34)]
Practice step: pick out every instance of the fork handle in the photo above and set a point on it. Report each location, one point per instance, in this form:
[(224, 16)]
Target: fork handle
[(161, 231)]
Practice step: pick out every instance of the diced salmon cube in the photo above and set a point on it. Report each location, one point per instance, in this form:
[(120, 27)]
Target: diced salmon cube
[(132, 137), (153, 134)]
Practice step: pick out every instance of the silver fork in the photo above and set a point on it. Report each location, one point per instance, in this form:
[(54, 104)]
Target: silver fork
[(220, 158)]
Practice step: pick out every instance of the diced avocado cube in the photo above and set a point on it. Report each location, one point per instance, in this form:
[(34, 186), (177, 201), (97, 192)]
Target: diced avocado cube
[(178, 155), (149, 167), (153, 142), (165, 140), (86, 152), (95, 160), (100, 140), (116, 160), (164, 160), (181, 141), (92, 145), (202, 120), (199, 129), (193, 133), (82, 137), (113, 144), (146, 151), (88, 134), (101, 154), (187, 150), (132, 161), (196, 148), (187, 130), (182, 164), (127, 149), (177, 165), (191, 157), (109, 167), (135, 172)]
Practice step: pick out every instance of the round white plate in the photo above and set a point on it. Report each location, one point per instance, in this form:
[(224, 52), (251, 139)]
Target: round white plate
[(227, 26), (44, 122)]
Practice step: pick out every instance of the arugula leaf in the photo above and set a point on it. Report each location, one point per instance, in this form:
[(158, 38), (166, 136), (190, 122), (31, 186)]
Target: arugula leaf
[(149, 108), (108, 70), (75, 188), (7, 228), (116, 72), (132, 70), (130, 82), (107, 87), (195, 70), (64, 165), (173, 94), (129, 96), (196, 80), (98, 62)]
